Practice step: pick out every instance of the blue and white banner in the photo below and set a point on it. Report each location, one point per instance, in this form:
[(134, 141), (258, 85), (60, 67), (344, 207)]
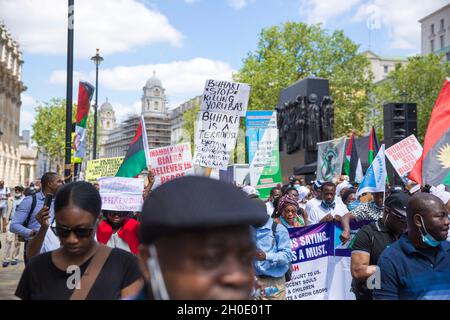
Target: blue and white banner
[(321, 263), (375, 178)]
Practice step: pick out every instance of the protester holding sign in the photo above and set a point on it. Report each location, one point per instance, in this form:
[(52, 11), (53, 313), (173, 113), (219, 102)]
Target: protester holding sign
[(372, 239), (62, 274), (418, 265)]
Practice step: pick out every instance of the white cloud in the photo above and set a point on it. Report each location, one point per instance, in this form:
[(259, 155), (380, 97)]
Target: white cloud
[(178, 77), (237, 4), (113, 26), (122, 110), (322, 10), (191, 1), (401, 19), (27, 113)]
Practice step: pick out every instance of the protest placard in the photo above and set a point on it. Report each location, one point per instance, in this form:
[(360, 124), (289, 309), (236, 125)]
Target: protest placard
[(263, 151), (404, 154), (171, 162), (217, 124), (121, 194), (105, 167), (321, 264)]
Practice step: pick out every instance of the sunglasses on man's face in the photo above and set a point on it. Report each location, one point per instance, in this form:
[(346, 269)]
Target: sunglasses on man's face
[(64, 232)]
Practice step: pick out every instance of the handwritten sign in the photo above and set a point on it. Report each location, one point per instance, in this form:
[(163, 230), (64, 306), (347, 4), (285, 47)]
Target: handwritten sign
[(121, 194), (404, 154), (217, 124), (106, 167), (171, 162)]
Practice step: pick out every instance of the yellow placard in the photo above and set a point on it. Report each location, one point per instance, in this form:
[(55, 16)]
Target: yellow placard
[(106, 167)]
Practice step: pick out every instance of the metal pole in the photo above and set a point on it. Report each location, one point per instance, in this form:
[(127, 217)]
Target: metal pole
[(95, 111), (69, 85)]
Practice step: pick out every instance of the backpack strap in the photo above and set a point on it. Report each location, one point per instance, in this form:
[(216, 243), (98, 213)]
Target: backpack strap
[(33, 206), (91, 273)]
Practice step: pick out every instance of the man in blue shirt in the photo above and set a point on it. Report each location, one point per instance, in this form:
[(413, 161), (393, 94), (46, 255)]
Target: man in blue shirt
[(417, 266), (273, 257), (50, 185)]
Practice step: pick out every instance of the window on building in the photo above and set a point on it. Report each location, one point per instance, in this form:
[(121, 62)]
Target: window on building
[(442, 25), (432, 29), (386, 69), (448, 56), (432, 45), (441, 38)]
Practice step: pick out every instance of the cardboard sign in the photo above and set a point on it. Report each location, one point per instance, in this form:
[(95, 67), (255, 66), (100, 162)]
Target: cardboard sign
[(217, 124), (171, 162), (121, 194), (106, 167), (404, 154)]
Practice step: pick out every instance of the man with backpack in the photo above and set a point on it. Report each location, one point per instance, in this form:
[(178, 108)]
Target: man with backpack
[(24, 222), (273, 260)]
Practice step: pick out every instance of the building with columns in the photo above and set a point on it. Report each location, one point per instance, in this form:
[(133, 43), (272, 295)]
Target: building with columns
[(11, 86), (28, 159), (115, 138)]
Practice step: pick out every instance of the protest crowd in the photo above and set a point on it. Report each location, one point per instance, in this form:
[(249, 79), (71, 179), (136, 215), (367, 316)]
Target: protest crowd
[(195, 237)]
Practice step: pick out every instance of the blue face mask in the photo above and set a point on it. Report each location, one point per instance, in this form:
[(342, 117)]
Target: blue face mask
[(428, 238), (353, 205)]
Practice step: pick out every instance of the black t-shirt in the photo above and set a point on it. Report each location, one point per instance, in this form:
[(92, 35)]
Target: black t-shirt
[(42, 280), (372, 238)]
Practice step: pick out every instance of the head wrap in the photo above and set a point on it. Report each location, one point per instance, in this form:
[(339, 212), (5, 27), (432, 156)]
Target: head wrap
[(286, 201)]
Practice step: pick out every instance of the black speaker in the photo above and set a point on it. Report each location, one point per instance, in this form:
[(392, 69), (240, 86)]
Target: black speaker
[(400, 121)]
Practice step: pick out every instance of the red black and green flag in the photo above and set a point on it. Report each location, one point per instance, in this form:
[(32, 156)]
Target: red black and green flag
[(433, 167), (352, 164), (137, 155), (373, 146), (85, 93)]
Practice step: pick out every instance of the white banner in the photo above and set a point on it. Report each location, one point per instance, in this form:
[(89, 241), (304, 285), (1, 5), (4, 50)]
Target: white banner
[(168, 163), (404, 154), (121, 194), (225, 97)]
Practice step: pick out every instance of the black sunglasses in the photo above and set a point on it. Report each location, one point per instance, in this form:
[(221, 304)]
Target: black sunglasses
[(64, 232)]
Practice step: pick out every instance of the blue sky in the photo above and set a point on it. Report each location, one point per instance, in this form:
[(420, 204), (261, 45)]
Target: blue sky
[(184, 41)]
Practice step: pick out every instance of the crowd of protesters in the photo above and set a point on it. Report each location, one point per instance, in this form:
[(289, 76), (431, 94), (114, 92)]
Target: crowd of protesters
[(192, 239)]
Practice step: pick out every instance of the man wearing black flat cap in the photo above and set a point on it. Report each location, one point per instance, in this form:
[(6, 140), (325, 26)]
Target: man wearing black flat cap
[(372, 239), (196, 240)]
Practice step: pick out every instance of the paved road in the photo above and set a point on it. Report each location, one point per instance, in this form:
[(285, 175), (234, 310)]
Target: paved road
[(9, 276)]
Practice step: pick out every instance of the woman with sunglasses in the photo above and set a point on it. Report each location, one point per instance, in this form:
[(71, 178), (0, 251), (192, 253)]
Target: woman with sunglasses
[(56, 275), (118, 230)]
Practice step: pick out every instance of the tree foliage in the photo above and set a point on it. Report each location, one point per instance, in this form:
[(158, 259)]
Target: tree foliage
[(189, 119), (419, 81), (293, 51)]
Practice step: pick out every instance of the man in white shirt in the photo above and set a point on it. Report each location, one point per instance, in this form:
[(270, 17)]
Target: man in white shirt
[(4, 195), (275, 193), (329, 209), (317, 200)]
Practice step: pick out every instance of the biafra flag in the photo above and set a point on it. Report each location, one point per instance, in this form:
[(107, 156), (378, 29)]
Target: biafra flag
[(85, 92), (433, 167), (137, 155)]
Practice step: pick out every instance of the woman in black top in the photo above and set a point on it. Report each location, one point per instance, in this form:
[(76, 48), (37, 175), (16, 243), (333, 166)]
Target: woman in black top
[(53, 275)]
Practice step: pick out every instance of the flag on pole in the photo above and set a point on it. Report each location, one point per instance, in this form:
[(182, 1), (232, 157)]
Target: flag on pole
[(85, 93), (375, 178), (137, 157), (373, 145), (352, 165), (330, 159), (433, 167)]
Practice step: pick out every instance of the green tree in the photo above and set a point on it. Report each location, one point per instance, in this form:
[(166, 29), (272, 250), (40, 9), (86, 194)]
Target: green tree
[(189, 118), (419, 81), (293, 51), (49, 130)]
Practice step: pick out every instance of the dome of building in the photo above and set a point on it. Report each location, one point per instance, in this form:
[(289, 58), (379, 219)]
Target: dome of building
[(153, 81), (106, 107)]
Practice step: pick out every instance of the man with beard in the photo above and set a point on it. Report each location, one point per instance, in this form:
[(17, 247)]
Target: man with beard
[(118, 230), (417, 266)]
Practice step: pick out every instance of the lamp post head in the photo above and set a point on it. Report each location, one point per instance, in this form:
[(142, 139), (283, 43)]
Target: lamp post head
[(97, 58)]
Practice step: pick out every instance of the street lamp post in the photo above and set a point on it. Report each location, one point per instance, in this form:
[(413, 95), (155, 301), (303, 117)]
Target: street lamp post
[(97, 60)]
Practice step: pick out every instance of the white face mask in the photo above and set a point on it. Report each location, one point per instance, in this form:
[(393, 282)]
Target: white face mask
[(156, 278)]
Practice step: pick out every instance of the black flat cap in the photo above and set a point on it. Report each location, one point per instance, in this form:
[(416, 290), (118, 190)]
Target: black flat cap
[(194, 202), (398, 201)]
